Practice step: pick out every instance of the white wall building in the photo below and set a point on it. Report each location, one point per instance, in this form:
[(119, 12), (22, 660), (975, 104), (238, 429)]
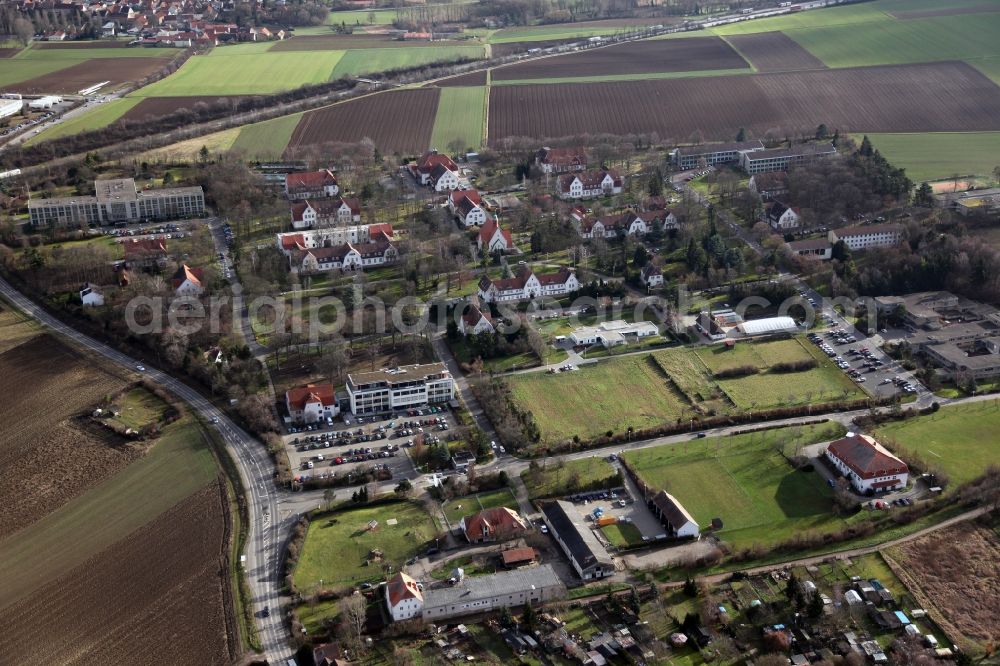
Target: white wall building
[(403, 387), (403, 598), (10, 107), (526, 285), (868, 236), (869, 466), (91, 297), (311, 403), (613, 333)]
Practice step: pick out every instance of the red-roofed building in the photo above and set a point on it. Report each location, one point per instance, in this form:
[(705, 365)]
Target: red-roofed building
[(403, 597), (311, 185), (467, 207), (869, 466), (423, 168), (311, 403), (492, 238), (589, 184), (516, 557), (474, 321), (144, 251), (188, 281), (311, 213), (496, 524), (561, 160), (526, 285)]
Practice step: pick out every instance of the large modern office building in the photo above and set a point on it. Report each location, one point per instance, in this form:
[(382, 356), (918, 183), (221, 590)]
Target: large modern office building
[(118, 201), (404, 387)]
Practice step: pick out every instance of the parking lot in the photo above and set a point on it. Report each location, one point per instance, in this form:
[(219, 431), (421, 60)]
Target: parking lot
[(323, 450), (863, 362)]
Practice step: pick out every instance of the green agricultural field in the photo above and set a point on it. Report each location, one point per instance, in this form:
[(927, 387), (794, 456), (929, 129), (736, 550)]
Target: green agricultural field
[(459, 507), (94, 119), (266, 140), (847, 16), (360, 18), (988, 66), (939, 156), (366, 61), (337, 545), (960, 439), (745, 481), (957, 37), (178, 465), (248, 74), (460, 116), (550, 479), (553, 32), (16, 71), (615, 395)]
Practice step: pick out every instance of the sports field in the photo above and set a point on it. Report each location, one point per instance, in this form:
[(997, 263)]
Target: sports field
[(961, 439), (460, 117), (338, 547), (745, 481), (939, 156), (267, 139)]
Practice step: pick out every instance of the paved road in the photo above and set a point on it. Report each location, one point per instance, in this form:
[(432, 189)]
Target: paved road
[(266, 534)]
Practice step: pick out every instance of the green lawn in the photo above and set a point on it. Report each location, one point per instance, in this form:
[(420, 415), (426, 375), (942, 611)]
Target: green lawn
[(366, 61), (961, 439), (613, 395), (958, 37), (938, 156), (337, 545), (180, 464), (139, 408), (267, 139), (98, 118), (745, 481), (460, 507), (245, 74), (552, 479), (622, 534), (460, 115)]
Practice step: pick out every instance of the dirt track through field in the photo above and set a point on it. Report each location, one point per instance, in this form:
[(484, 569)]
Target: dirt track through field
[(9, 53), (908, 98), (643, 57), (774, 52), (398, 121), (85, 74), (155, 597)]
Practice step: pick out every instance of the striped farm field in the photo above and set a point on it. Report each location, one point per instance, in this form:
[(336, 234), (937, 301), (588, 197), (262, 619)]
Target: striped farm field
[(460, 117), (367, 61), (939, 156), (266, 140)]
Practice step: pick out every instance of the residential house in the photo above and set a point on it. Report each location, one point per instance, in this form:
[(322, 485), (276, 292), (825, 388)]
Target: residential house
[(291, 242), (769, 185), (496, 524), (144, 252), (475, 595), (308, 214), (90, 297), (404, 598), (712, 154), (401, 387), (812, 248), (423, 168), (867, 236), (618, 225), (188, 281), (589, 184), (588, 556), (781, 159), (311, 185), (346, 257), (474, 321), (526, 285), (311, 403), (782, 217), (651, 276), (516, 557), (492, 238), (561, 160), (674, 516), (443, 179), (467, 206), (868, 465)]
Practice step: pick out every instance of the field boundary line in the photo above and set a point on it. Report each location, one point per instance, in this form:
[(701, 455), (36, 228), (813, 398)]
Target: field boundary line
[(485, 132), (747, 60)]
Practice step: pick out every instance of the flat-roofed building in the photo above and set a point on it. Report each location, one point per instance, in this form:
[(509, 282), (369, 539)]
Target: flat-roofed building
[(483, 594), (402, 387), (781, 159), (710, 154), (118, 200)]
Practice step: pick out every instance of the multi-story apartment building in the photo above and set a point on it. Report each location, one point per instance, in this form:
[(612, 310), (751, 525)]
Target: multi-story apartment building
[(118, 200), (780, 159), (710, 154), (404, 387)]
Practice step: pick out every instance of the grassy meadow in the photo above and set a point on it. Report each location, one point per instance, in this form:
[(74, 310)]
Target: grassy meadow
[(460, 115), (94, 119), (939, 156), (267, 139), (460, 507)]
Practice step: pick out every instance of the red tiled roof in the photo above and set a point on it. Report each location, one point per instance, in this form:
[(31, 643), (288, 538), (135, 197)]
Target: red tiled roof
[(383, 228), (309, 180), (431, 159), (866, 457), (591, 180), (518, 555), (144, 246), (401, 587), (473, 315), (489, 229), (563, 156), (193, 275), (496, 521), (293, 242), (298, 397), (559, 277), (471, 195)]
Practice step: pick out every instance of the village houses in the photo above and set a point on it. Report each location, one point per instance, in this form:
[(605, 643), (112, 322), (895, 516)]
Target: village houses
[(467, 207), (589, 184), (492, 238), (436, 170), (866, 464), (292, 241), (188, 281), (474, 321), (311, 185), (379, 251), (651, 276), (311, 403), (781, 217), (526, 285), (312, 213), (561, 160), (619, 225), (496, 524)]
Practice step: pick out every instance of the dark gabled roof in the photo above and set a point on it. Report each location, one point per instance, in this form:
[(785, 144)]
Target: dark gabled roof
[(570, 533), (672, 510), (777, 209)]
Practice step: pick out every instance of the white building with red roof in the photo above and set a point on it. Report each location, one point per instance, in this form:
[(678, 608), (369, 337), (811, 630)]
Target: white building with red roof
[(589, 184), (526, 284), (297, 241), (466, 206), (346, 256), (311, 185), (474, 321), (869, 466), (561, 160), (422, 169), (311, 403), (313, 213), (188, 281), (492, 238), (496, 524), (403, 598)]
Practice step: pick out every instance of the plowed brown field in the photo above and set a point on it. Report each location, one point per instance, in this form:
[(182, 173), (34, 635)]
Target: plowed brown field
[(154, 107), (47, 455), (774, 52), (155, 597), (87, 73), (470, 79), (9, 53), (397, 121), (644, 57), (938, 97), (93, 44)]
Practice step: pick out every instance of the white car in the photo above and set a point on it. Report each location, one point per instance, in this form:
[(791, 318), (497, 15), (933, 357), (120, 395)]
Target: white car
[(140, 368), (493, 445)]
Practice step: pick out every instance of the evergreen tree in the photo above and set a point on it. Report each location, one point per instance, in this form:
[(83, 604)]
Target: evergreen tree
[(741, 135), (924, 196), (815, 608)]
